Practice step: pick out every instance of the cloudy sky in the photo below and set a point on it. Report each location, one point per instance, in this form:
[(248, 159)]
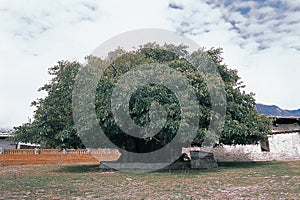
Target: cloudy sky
[(260, 38)]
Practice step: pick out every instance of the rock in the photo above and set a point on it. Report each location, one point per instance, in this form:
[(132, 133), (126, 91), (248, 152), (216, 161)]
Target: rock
[(199, 160), (203, 160)]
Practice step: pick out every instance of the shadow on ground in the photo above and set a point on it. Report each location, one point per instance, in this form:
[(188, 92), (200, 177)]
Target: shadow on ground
[(222, 166), (79, 168), (249, 164)]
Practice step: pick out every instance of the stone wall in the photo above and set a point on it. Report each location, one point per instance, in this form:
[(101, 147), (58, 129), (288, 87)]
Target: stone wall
[(282, 147), (286, 144)]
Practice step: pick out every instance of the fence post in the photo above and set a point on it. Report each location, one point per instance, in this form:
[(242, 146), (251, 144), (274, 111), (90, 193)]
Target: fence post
[(36, 151)]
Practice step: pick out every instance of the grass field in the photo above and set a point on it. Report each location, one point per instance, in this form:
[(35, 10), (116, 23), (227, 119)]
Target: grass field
[(260, 180)]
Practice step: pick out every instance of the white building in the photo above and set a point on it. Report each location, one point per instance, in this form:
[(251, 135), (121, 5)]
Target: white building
[(5, 134), (283, 144)]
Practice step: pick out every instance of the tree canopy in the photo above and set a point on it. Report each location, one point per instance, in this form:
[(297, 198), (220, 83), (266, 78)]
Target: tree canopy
[(53, 125)]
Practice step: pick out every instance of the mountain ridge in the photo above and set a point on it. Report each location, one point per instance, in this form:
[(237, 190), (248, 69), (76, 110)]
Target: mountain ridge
[(273, 110)]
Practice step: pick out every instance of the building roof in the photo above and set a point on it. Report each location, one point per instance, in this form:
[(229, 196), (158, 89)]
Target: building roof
[(6, 133), (285, 124), (286, 120)]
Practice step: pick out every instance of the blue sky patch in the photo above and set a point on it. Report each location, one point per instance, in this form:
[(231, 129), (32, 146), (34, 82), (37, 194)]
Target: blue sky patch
[(244, 10)]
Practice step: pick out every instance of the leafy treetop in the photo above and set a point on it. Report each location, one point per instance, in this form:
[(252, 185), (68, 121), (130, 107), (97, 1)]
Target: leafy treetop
[(53, 124)]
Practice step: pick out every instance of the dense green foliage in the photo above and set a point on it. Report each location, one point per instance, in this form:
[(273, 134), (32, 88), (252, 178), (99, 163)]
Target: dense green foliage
[(53, 124)]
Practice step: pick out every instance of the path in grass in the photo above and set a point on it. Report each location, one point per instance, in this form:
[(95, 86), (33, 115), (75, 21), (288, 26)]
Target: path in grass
[(263, 180)]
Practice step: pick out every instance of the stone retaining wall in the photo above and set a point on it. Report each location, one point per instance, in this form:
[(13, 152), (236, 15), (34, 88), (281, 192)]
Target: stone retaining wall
[(285, 146), (282, 147)]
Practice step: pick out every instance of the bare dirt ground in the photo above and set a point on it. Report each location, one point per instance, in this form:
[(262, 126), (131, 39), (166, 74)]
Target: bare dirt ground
[(252, 180)]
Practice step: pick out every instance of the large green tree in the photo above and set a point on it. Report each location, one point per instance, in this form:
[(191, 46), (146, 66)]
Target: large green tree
[(53, 124)]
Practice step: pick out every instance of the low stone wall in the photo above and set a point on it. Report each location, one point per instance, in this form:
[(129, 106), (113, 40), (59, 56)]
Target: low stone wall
[(282, 147), (287, 144)]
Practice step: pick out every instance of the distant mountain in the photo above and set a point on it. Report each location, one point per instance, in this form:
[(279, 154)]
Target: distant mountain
[(276, 111), (295, 112)]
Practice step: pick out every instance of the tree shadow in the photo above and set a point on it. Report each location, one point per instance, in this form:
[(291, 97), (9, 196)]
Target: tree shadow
[(78, 168), (244, 164), (222, 166)]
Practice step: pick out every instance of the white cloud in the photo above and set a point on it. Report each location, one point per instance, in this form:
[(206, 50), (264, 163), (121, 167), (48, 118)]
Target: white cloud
[(273, 75), (34, 35), (262, 44)]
